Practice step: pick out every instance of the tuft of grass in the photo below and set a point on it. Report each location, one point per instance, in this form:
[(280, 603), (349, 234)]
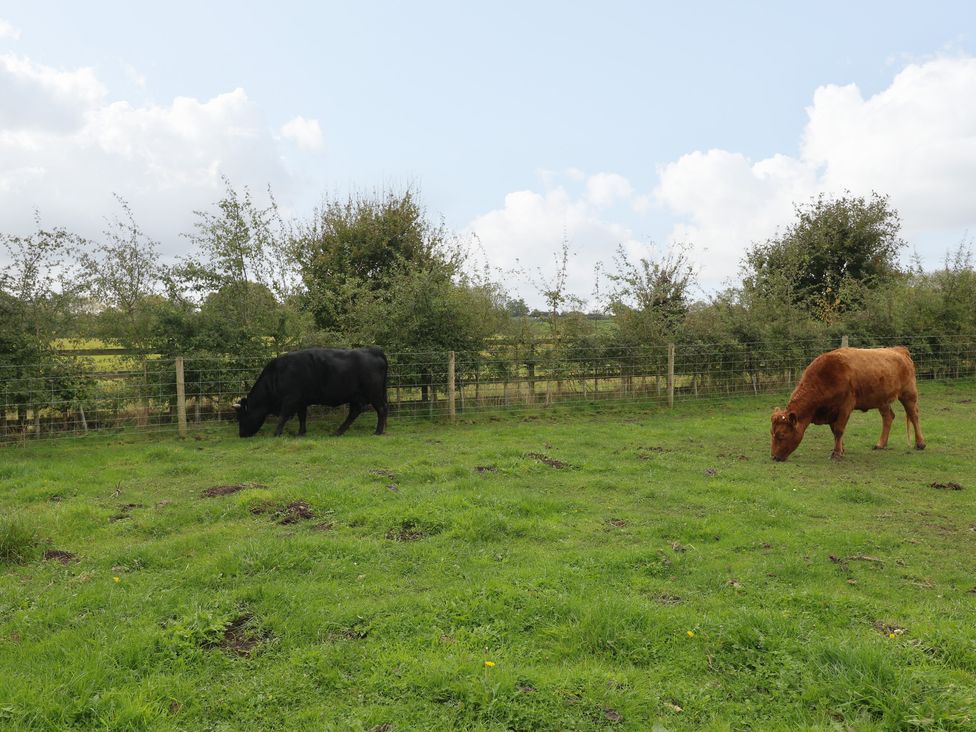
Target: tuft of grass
[(18, 540)]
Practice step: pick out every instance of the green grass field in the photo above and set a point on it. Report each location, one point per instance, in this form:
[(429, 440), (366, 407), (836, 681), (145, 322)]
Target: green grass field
[(606, 567)]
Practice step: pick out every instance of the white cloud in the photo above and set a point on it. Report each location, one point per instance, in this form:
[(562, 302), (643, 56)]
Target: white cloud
[(529, 229), (915, 141), (7, 30), (605, 189), (64, 150), (40, 97), (305, 133)]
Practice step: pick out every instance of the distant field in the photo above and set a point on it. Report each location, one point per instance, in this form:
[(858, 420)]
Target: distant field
[(601, 567)]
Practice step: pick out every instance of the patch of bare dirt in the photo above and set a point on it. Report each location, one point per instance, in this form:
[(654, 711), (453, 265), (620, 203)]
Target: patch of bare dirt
[(294, 512), (612, 715), (55, 498), (226, 490), (886, 628), (385, 727), (291, 513), (950, 486), (854, 558), (383, 473), (485, 469), (666, 598), (59, 555), (710, 472), (551, 462), (125, 511), (353, 633), (407, 531), (678, 546), (238, 638), (324, 526), (617, 523)]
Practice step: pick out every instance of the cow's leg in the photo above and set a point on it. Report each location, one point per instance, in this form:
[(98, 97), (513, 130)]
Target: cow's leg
[(887, 417), (382, 411), (302, 414), (355, 409), (282, 418), (837, 427), (910, 402)]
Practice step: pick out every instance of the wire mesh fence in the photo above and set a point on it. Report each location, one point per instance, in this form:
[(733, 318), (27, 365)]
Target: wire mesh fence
[(76, 394)]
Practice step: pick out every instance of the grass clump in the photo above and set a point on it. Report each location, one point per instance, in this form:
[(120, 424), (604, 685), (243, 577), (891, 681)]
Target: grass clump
[(19, 540)]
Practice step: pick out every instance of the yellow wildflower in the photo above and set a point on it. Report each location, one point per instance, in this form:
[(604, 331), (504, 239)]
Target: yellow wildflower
[(116, 580), (489, 664), (691, 634)]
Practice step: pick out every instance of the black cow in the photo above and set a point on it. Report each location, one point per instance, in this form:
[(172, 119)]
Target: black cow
[(330, 376)]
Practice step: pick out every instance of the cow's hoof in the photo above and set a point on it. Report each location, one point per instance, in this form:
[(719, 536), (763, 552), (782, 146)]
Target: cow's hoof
[(880, 447), (920, 447), (835, 456)]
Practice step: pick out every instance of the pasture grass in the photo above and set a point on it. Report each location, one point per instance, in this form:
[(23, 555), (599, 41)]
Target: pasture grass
[(603, 567)]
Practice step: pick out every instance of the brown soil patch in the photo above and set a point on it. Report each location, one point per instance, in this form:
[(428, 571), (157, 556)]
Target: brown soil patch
[(710, 472), (226, 490), (552, 463), (238, 638), (485, 469), (886, 628), (617, 523), (124, 512), (666, 598), (385, 727), (407, 531), (950, 486), (59, 555), (383, 473), (55, 498), (294, 512), (353, 633), (612, 715), (678, 546), (324, 526)]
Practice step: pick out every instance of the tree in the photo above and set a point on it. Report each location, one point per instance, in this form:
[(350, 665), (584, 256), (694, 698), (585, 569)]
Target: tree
[(835, 250), (122, 273), (38, 299), (649, 298), (362, 243), (243, 260)]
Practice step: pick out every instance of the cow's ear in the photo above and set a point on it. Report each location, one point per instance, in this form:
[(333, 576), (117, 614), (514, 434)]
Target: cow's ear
[(792, 418)]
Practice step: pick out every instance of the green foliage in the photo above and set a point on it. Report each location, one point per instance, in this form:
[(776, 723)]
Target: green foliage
[(650, 298), (361, 244), (123, 274), (836, 250)]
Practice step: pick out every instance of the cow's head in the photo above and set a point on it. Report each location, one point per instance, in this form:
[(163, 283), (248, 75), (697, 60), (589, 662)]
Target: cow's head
[(786, 433), (249, 419)]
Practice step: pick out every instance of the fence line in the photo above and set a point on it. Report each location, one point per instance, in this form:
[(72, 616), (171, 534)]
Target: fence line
[(148, 391)]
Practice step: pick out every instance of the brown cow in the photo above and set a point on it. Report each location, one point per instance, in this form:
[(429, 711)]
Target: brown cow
[(838, 382)]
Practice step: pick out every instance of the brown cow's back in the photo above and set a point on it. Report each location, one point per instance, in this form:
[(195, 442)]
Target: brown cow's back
[(872, 377)]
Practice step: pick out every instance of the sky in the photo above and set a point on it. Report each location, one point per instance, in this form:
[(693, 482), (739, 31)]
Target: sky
[(522, 125)]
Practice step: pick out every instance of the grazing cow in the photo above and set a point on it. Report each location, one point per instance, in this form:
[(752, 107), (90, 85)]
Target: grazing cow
[(330, 376), (838, 382)]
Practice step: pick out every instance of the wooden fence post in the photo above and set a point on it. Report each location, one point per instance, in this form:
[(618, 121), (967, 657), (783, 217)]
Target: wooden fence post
[(670, 375), (843, 341), (450, 385), (180, 397)]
